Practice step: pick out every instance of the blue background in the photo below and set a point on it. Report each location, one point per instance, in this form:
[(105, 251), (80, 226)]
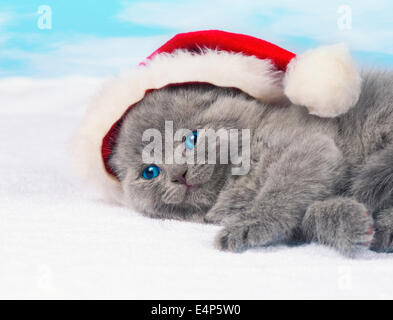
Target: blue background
[(97, 38)]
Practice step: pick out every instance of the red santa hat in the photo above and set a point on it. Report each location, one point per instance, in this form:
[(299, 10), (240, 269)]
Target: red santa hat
[(325, 80)]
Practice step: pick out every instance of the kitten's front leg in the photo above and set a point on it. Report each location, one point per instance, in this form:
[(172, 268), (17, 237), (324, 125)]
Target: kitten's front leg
[(306, 171), (237, 197)]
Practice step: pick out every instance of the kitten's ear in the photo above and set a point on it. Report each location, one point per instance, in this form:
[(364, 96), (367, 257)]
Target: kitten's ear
[(325, 80)]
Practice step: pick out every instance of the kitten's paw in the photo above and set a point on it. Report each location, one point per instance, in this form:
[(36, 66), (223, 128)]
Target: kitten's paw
[(341, 223), (383, 238), (239, 237), (357, 232), (360, 230)]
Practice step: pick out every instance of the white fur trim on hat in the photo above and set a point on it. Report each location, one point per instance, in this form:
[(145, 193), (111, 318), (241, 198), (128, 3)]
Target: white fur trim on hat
[(325, 80), (259, 78)]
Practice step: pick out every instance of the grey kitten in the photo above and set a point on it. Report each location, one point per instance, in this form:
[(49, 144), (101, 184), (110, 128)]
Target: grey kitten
[(328, 180)]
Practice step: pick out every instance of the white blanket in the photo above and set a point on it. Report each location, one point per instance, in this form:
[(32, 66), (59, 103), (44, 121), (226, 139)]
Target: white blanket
[(59, 240)]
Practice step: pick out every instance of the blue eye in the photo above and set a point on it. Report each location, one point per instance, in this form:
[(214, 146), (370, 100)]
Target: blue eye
[(151, 172), (191, 140)]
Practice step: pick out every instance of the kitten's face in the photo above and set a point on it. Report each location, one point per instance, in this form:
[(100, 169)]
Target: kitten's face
[(170, 190)]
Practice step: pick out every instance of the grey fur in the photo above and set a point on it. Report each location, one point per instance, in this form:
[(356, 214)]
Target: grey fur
[(311, 179), (338, 222), (383, 240)]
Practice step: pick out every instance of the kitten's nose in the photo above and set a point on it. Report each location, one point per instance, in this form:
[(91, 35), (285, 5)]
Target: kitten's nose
[(181, 178)]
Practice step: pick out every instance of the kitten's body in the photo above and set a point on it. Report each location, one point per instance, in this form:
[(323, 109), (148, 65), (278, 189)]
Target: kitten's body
[(328, 180)]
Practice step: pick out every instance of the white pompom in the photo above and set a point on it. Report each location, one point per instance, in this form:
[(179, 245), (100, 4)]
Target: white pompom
[(325, 80)]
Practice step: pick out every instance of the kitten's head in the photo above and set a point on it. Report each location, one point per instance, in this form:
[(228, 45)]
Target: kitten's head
[(173, 190)]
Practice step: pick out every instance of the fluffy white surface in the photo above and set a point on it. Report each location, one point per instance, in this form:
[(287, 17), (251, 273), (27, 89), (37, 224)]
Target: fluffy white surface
[(57, 240), (255, 76), (325, 80)]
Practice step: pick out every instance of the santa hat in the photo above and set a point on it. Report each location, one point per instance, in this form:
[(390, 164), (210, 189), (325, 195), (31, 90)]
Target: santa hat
[(325, 80)]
